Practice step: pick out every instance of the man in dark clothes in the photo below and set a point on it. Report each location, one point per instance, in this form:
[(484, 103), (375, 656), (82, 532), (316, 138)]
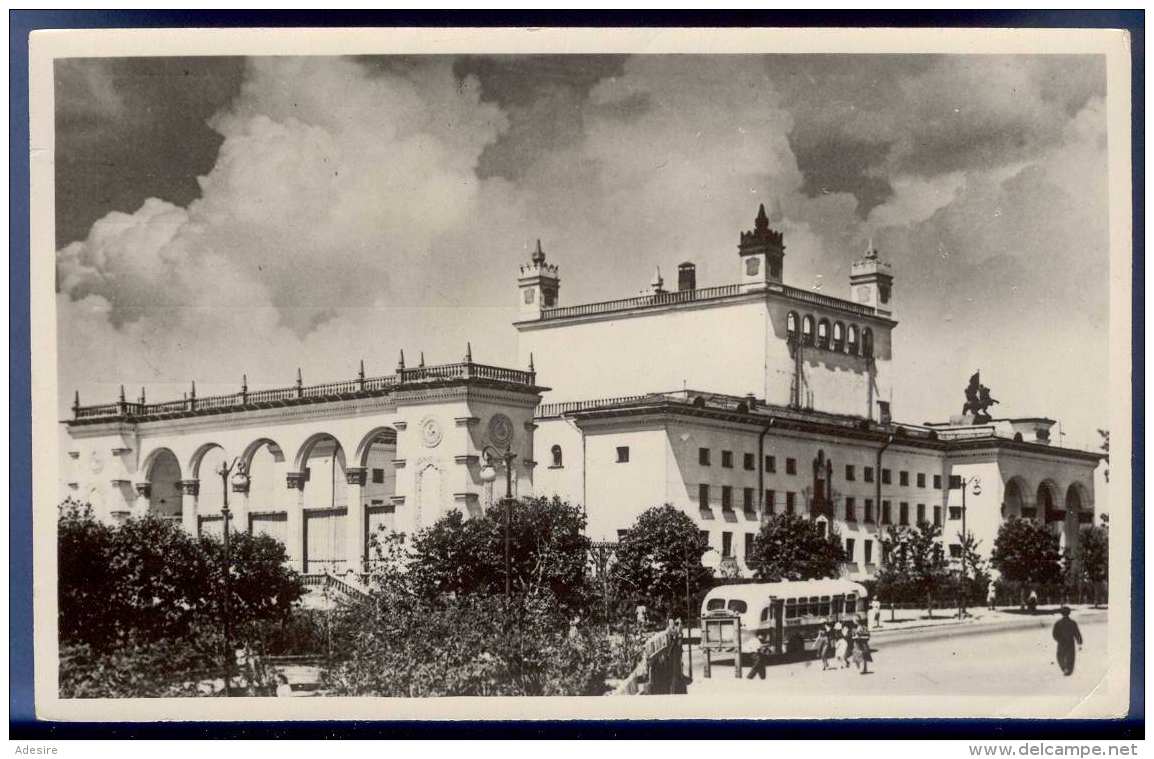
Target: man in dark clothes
[(763, 654), (1066, 632)]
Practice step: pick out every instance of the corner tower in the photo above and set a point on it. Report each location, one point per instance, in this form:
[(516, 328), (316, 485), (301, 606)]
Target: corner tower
[(539, 285), (871, 282), (762, 253)]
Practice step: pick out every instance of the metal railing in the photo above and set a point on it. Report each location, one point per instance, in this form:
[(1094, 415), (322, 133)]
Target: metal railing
[(244, 399), (809, 296)]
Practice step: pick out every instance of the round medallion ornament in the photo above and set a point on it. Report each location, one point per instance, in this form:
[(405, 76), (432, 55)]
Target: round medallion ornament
[(501, 430), (430, 432)]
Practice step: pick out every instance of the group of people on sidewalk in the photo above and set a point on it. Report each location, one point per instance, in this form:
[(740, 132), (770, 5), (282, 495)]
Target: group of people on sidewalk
[(847, 644)]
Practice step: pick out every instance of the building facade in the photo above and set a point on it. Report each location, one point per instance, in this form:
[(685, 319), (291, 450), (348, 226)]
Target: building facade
[(790, 413)]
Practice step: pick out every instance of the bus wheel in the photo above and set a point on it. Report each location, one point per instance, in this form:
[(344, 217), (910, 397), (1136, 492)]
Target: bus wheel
[(795, 646)]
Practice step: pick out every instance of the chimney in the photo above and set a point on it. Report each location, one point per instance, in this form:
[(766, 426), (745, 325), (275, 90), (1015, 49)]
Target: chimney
[(687, 276)]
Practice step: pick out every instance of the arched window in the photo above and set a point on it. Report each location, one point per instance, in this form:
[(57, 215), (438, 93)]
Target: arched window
[(556, 453), (791, 324), (852, 340), (838, 337), (807, 329), (867, 343), (823, 333)]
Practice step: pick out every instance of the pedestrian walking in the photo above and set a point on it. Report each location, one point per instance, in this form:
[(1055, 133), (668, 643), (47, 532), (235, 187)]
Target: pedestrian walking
[(845, 645), (761, 656), (825, 645), (283, 689), (1032, 601), (876, 613), (1066, 633), (991, 595), (861, 647)]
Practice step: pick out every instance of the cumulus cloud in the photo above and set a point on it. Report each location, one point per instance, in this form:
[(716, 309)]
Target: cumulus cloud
[(355, 209)]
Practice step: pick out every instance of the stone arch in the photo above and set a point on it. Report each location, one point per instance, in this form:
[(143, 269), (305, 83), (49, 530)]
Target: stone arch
[(383, 435), (162, 476), (264, 460), (1015, 498), (791, 324), (307, 447), (556, 456), (197, 457), (325, 480), (851, 339), (823, 333), (838, 337), (1049, 502), (1079, 514)]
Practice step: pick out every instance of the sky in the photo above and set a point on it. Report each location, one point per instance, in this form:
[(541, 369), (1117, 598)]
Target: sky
[(225, 216)]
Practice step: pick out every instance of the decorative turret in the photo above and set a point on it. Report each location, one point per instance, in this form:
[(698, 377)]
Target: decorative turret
[(762, 252), (658, 284), (871, 282), (539, 285)]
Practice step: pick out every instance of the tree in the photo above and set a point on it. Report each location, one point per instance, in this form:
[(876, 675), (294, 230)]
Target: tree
[(1105, 446), (140, 604), (1095, 556), (791, 548), (548, 553), (1027, 552), (914, 564), (657, 559)]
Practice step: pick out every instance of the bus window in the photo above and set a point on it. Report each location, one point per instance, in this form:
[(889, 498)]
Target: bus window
[(715, 604), (850, 603), (825, 606), (765, 614), (838, 605), (738, 607), (814, 606), (791, 608)]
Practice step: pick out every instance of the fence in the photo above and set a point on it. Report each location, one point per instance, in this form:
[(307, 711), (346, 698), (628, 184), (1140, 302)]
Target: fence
[(658, 672)]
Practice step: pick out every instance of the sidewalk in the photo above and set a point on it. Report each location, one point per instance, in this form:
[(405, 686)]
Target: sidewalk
[(913, 620)]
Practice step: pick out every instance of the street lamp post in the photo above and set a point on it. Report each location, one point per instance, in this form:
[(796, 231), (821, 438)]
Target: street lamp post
[(965, 483), (489, 474), (240, 480)]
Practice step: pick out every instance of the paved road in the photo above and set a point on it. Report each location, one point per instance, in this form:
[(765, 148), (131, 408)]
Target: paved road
[(948, 662)]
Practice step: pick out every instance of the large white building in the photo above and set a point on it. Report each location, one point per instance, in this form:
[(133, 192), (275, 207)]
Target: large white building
[(733, 403)]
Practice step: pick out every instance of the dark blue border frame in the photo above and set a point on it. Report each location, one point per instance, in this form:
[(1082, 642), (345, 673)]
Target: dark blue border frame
[(22, 722)]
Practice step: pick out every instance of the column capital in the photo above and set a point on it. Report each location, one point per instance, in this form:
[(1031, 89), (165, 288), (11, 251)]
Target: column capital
[(295, 480), (144, 489), (189, 487), (356, 475)]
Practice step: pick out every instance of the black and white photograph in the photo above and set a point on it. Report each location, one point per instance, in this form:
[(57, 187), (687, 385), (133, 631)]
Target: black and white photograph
[(492, 374)]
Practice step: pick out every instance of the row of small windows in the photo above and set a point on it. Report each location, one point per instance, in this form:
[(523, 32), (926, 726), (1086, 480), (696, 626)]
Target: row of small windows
[(851, 512), (887, 477), (704, 499), (850, 546), (748, 461), (836, 337)]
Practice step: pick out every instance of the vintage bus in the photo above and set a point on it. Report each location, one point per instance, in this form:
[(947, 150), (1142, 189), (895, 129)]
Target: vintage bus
[(791, 612)]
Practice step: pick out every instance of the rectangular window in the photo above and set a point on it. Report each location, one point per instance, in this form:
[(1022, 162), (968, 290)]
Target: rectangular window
[(378, 476), (791, 466), (904, 479), (849, 473), (703, 456), (955, 551), (937, 516), (849, 549), (789, 503), (850, 510), (703, 496), (377, 502), (921, 479), (726, 498), (748, 544), (770, 502), (747, 499), (868, 473), (727, 544), (937, 482), (727, 459), (886, 477), (869, 551), (887, 517), (904, 513), (921, 513), (748, 461), (771, 464), (622, 454), (869, 510), (955, 513)]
